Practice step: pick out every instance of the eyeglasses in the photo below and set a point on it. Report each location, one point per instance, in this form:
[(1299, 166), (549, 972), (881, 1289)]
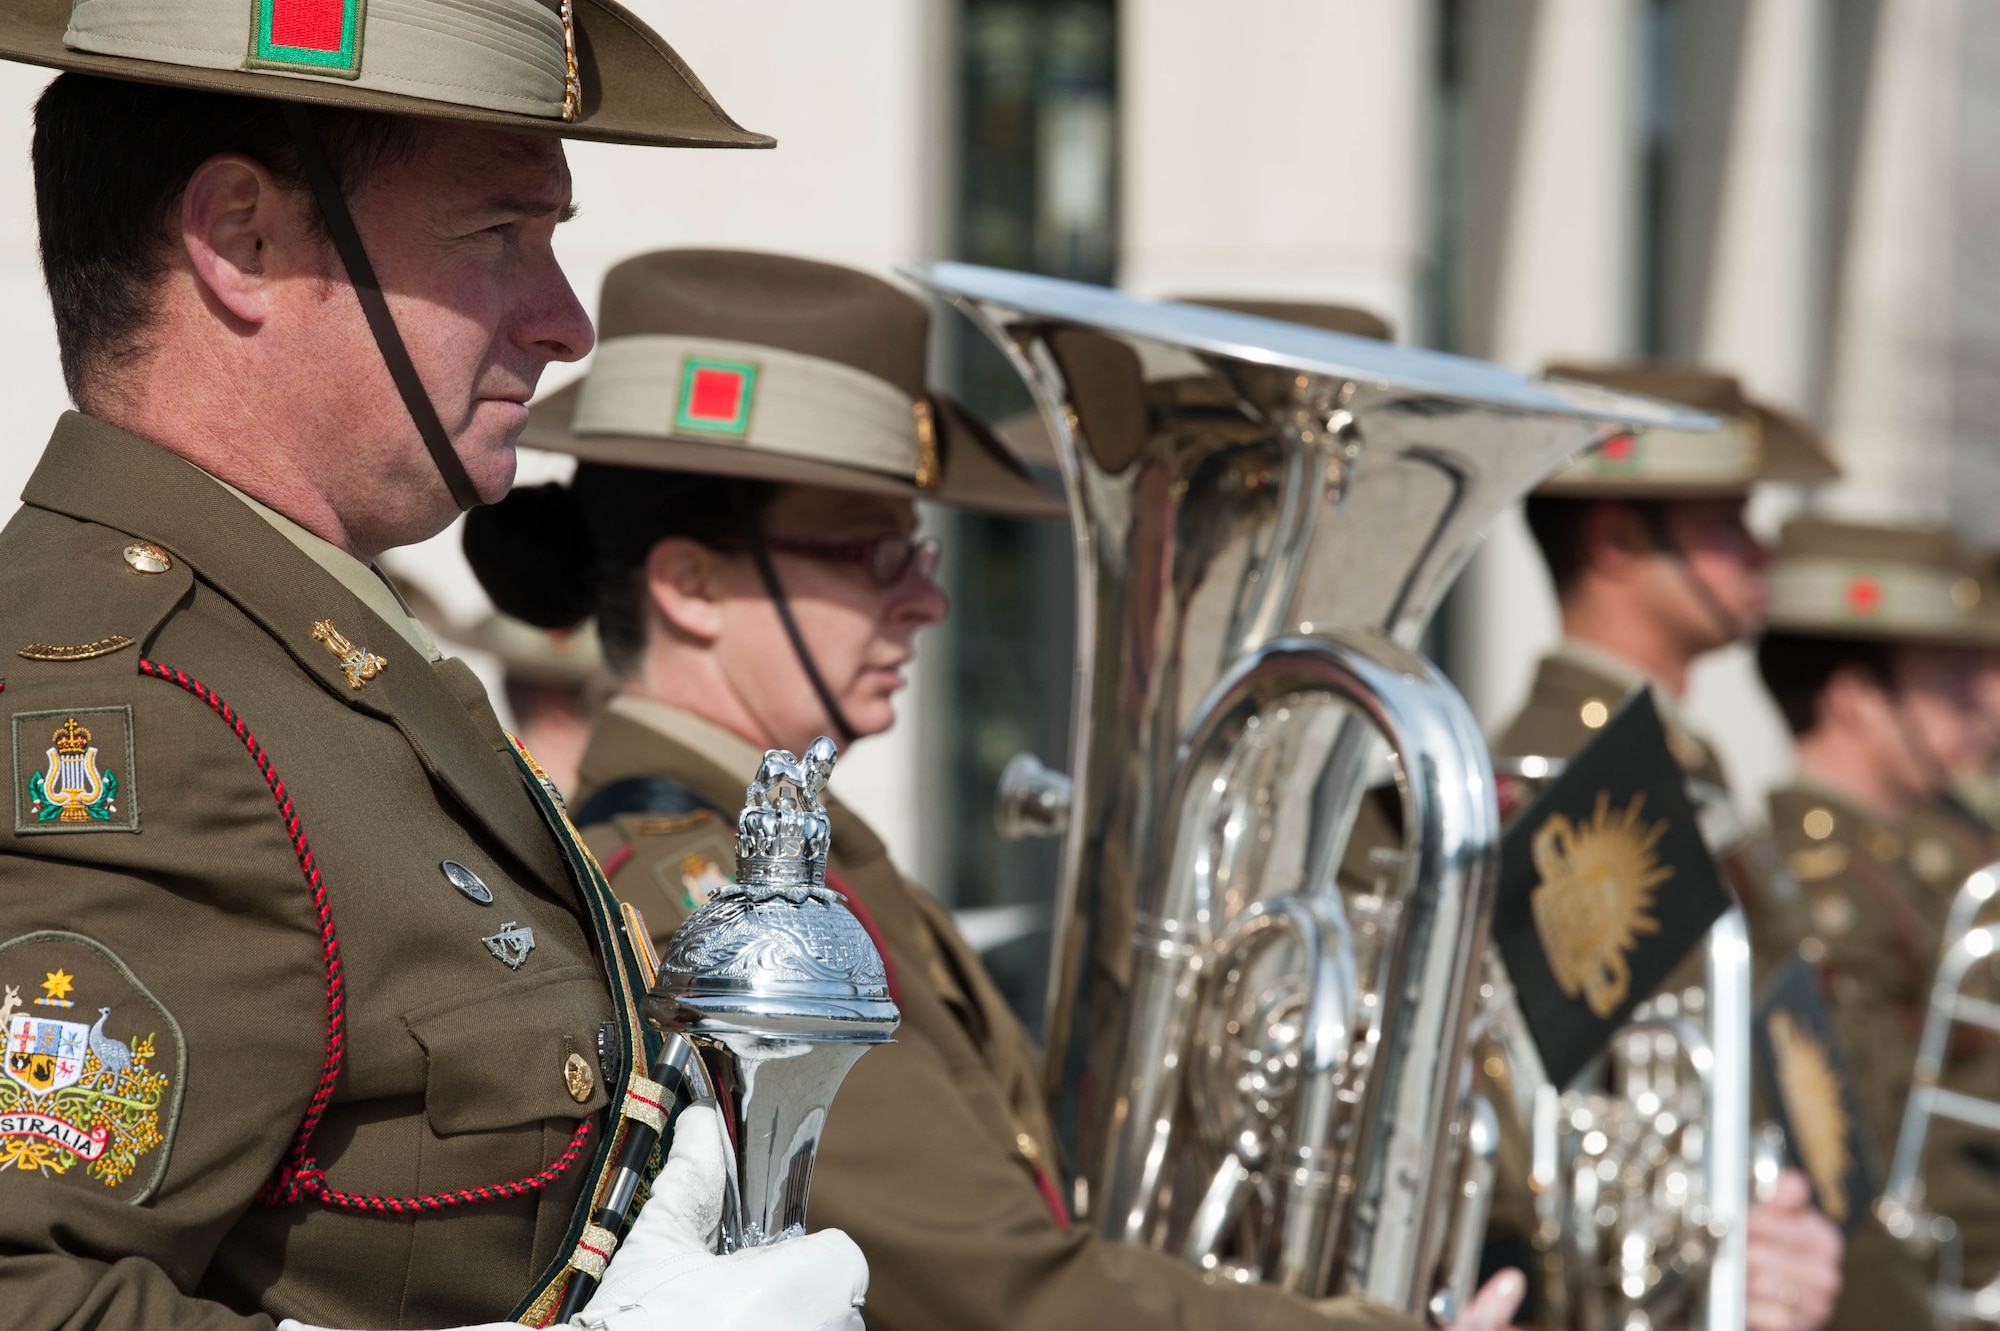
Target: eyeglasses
[(887, 559)]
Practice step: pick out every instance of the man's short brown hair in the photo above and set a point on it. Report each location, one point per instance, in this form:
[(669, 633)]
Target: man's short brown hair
[(112, 160)]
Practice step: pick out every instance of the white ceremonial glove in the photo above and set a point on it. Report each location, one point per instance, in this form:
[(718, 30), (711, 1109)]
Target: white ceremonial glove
[(664, 1278)]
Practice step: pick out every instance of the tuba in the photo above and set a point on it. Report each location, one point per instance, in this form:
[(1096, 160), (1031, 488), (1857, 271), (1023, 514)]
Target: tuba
[(1253, 1066)]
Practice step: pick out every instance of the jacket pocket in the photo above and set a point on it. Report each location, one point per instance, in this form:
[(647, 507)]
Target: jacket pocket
[(501, 1057)]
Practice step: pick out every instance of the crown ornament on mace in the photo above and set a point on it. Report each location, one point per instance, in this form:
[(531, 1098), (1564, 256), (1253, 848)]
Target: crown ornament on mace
[(783, 834)]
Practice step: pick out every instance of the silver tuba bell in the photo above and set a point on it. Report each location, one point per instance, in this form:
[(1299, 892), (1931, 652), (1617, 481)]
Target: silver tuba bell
[(1251, 1067)]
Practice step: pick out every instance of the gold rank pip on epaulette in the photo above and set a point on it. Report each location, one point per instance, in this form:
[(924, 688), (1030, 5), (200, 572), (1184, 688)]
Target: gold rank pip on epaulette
[(1605, 885), (1803, 1074)]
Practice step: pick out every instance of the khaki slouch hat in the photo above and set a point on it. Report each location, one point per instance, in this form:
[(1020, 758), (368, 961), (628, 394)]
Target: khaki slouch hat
[(773, 368), (1754, 443), (1904, 584), (581, 69)]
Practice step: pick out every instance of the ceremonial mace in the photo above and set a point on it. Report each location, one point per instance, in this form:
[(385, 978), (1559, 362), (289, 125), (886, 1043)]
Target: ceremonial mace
[(779, 989)]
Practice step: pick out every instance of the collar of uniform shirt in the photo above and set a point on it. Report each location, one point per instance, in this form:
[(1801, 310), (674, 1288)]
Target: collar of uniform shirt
[(1601, 661), (367, 582), (725, 748)]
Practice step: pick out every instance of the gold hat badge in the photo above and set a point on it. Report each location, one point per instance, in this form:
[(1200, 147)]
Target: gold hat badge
[(357, 663), (1812, 1102), (1596, 897)]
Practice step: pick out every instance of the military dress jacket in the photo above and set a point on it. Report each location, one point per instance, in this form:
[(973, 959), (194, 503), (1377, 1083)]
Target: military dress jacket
[(1882, 925), (266, 1057), (938, 1156)]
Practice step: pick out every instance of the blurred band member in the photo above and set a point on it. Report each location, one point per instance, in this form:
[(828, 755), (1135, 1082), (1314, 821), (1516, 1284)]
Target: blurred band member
[(1875, 642)]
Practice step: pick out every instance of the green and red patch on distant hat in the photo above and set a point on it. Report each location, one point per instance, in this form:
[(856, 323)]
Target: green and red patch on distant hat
[(716, 396)]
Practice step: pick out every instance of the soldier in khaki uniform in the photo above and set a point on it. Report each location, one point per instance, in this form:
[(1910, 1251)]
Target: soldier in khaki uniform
[(313, 1008), (1876, 636), (1654, 568), (759, 612)]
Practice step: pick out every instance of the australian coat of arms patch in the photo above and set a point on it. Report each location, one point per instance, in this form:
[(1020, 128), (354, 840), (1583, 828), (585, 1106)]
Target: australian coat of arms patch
[(73, 771), (92, 1069)]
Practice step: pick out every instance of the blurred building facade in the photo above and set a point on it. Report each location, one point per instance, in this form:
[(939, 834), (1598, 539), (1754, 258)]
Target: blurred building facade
[(1796, 190)]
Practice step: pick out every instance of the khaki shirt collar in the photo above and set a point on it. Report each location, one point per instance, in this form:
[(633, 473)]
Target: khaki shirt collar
[(1602, 661), (366, 581), (721, 746), (713, 762)]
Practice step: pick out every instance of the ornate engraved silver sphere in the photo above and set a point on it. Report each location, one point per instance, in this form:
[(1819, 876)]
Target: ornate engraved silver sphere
[(780, 987)]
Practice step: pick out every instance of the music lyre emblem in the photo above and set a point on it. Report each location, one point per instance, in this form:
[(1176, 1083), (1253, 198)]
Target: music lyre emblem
[(358, 664), (1596, 897), (74, 789)]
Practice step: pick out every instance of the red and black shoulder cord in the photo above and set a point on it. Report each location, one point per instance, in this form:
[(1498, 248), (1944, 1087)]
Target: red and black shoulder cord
[(299, 1176)]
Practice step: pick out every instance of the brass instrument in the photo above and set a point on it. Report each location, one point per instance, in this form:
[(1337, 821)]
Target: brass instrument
[(1968, 947), (1642, 1166), (1254, 1068)]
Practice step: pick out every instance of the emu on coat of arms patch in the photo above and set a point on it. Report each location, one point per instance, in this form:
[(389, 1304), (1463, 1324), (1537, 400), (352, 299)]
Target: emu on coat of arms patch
[(73, 771), (91, 1070)]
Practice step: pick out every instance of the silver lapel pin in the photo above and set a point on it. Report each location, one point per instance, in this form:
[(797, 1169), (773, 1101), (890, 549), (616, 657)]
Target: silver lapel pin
[(512, 944)]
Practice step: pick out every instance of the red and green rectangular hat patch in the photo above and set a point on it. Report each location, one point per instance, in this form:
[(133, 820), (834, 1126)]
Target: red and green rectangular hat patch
[(308, 36), (716, 396)]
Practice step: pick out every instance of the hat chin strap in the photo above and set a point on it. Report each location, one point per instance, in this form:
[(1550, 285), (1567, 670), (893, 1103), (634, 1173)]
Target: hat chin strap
[(760, 556), (1734, 629), (368, 289)]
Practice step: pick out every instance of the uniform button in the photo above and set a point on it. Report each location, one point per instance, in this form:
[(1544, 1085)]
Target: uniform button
[(148, 558), (1818, 824), (579, 1078), (1594, 713), (1026, 1145)]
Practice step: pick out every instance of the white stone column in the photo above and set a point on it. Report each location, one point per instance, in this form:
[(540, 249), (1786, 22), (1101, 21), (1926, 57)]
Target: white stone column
[(1891, 378), (1565, 273), (1762, 315), (1279, 150)]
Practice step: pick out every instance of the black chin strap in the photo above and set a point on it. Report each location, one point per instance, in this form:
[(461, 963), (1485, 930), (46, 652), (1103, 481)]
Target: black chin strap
[(1662, 533), (753, 538), (368, 288)]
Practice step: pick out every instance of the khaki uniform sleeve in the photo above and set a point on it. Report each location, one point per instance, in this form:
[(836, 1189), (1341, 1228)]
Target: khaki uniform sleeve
[(971, 1240), (195, 937)]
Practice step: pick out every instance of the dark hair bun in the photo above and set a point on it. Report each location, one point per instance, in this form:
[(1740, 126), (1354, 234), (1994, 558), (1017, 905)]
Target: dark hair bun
[(535, 556)]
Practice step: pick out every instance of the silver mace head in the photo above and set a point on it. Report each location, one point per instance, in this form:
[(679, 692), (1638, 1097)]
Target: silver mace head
[(781, 989)]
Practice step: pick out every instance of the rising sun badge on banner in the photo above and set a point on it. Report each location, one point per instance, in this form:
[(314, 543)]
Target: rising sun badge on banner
[(1605, 884)]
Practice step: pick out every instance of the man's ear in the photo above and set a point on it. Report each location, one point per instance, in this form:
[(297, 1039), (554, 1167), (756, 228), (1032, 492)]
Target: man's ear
[(681, 583), (1852, 699), (233, 216), (1614, 535)]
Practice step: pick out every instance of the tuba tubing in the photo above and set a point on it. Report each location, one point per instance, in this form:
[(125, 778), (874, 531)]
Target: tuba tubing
[(1395, 1234)]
